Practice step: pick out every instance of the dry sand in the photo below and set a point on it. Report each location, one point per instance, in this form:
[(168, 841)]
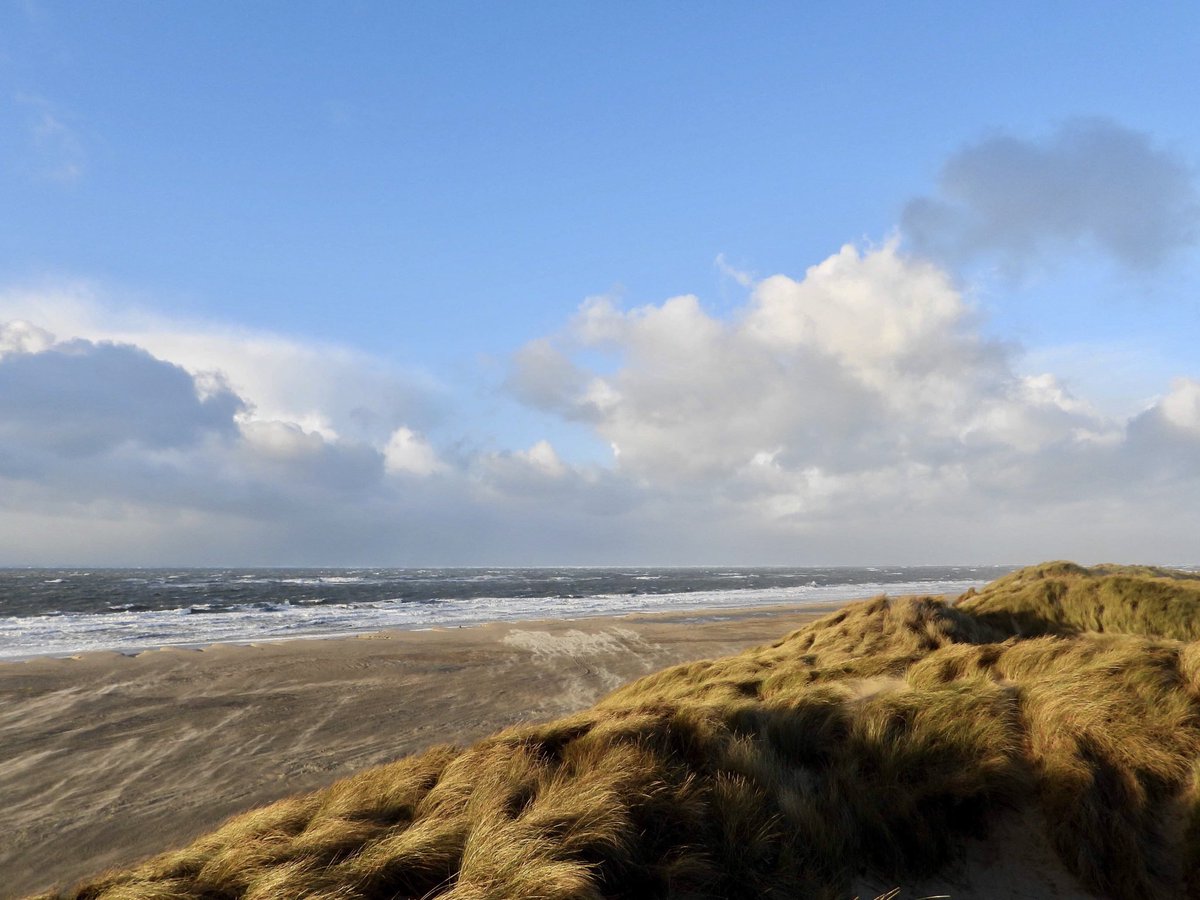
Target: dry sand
[(105, 759)]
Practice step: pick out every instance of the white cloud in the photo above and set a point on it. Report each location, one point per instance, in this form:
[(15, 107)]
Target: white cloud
[(535, 474), (1181, 407), (870, 358), (286, 441), (544, 457), (407, 451), (23, 337), (863, 390)]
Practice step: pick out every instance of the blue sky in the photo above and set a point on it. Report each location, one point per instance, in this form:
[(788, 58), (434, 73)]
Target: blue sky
[(365, 232)]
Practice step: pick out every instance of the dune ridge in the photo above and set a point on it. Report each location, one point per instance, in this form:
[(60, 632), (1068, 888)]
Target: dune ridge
[(885, 743)]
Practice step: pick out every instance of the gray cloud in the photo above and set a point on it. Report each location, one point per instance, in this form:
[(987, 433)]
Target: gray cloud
[(103, 422), (82, 398), (543, 376), (1090, 184)]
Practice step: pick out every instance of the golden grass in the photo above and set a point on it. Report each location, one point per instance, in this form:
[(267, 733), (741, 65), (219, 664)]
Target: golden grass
[(874, 740), (1061, 597)]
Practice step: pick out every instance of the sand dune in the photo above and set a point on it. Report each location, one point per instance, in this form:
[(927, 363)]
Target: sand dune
[(1034, 739)]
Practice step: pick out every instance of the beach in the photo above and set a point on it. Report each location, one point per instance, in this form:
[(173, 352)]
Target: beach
[(108, 758)]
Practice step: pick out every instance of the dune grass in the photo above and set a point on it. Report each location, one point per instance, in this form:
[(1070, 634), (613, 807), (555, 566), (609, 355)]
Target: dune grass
[(874, 740), (1061, 597)]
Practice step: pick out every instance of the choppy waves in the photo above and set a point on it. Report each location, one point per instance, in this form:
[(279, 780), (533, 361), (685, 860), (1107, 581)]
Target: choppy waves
[(52, 613)]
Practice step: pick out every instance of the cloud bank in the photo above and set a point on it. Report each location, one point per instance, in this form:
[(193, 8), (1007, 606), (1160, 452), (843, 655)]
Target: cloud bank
[(851, 415)]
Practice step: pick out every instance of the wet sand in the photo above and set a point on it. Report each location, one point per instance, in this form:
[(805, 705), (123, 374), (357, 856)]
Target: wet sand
[(106, 759)]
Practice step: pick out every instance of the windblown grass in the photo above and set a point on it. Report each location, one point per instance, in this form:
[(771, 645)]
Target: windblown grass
[(1061, 597), (876, 739)]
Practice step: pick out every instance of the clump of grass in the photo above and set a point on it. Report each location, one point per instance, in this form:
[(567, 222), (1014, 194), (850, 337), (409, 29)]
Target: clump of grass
[(874, 740)]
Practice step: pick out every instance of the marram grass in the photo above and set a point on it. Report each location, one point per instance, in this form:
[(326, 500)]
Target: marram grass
[(874, 740)]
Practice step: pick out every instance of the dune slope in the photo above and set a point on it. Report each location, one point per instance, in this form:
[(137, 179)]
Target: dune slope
[(886, 740)]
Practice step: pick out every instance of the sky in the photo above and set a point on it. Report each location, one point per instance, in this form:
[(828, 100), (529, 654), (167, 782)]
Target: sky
[(376, 284)]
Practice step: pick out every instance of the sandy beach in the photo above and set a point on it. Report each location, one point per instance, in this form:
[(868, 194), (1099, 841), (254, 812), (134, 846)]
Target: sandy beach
[(105, 759)]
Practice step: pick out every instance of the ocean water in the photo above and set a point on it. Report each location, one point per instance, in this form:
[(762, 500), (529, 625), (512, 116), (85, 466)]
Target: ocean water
[(61, 612)]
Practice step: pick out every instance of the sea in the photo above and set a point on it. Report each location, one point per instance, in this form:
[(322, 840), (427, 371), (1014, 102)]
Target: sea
[(63, 612)]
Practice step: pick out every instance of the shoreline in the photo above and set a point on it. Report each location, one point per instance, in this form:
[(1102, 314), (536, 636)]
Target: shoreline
[(676, 614), (215, 610), (107, 758)]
